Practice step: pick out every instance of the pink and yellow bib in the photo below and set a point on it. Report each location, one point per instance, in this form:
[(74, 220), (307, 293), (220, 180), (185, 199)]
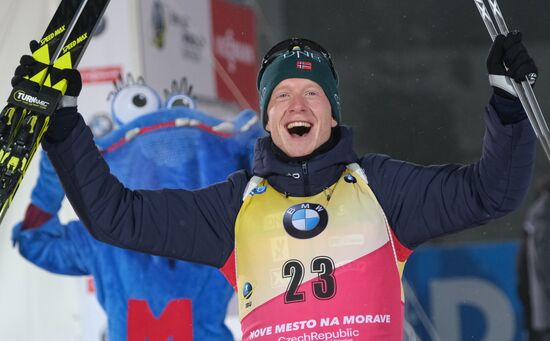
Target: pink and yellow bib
[(325, 267)]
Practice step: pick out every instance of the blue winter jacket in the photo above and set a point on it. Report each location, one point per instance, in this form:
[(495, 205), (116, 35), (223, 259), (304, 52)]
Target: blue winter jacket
[(420, 202)]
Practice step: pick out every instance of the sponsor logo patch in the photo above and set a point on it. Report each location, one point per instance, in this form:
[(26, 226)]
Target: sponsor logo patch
[(305, 220), (247, 290), (21, 96)]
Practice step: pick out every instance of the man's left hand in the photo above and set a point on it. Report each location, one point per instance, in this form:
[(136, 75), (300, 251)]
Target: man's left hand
[(508, 57)]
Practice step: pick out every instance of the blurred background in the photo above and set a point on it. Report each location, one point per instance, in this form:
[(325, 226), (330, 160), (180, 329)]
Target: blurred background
[(413, 85)]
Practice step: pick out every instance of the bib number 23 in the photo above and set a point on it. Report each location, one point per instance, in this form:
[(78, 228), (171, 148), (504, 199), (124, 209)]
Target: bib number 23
[(324, 287)]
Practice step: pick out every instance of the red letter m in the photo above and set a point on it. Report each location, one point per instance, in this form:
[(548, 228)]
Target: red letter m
[(175, 322)]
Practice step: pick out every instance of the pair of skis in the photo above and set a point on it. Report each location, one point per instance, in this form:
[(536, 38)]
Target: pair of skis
[(524, 90), (31, 103)]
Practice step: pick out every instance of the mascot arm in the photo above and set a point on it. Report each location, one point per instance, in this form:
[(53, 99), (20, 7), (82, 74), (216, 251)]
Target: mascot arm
[(55, 247), (41, 237)]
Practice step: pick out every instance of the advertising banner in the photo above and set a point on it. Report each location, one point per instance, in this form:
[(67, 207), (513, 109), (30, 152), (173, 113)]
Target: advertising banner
[(175, 42), (212, 43), (467, 292), (234, 48)]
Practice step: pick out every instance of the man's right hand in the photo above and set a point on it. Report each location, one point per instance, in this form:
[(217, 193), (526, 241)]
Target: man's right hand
[(66, 117), (28, 66)]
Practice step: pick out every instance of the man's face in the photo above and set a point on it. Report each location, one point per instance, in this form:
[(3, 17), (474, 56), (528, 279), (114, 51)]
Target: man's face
[(299, 116)]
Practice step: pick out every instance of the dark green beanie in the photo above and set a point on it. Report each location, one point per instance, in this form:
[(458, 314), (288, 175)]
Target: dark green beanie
[(299, 64)]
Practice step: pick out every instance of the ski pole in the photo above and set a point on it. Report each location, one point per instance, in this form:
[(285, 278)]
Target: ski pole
[(525, 92), (526, 86)]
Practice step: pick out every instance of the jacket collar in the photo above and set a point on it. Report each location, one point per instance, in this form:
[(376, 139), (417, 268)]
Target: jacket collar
[(306, 177)]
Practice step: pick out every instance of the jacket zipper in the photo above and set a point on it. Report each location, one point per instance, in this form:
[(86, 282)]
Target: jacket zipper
[(306, 178)]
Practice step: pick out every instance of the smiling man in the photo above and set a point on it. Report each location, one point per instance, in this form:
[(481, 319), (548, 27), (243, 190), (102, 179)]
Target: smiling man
[(298, 97), (300, 118), (320, 235)]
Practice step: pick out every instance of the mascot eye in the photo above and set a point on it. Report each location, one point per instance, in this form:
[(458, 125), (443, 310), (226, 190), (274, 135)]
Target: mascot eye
[(134, 101), (139, 100), (179, 101)]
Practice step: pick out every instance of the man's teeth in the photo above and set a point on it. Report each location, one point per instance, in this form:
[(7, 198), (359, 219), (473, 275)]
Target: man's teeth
[(298, 124)]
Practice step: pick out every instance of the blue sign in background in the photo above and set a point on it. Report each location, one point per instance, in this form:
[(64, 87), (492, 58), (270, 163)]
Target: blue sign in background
[(492, 263)]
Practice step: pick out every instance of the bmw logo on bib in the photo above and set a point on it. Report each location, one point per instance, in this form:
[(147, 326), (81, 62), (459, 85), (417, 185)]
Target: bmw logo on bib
[(305, 220)]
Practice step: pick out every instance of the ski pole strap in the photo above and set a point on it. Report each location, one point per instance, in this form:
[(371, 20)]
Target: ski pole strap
[(504, 83)]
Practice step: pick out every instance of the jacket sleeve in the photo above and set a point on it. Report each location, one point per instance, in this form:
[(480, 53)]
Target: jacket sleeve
[(58, 248), (196, 226), (424, 202)]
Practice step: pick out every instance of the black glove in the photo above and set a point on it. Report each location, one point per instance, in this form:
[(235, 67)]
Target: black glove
[(28, 66), (62, 124), (74, 80), (66, 119), (508, 57)]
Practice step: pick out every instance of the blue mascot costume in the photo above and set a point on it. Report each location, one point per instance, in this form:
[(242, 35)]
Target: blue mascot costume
[(170, 145)]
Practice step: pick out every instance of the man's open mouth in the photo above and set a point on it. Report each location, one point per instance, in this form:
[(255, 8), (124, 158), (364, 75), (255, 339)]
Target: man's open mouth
[(298, 128)]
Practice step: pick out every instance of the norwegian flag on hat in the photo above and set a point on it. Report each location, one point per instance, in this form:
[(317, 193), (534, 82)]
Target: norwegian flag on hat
[(303, 65)]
